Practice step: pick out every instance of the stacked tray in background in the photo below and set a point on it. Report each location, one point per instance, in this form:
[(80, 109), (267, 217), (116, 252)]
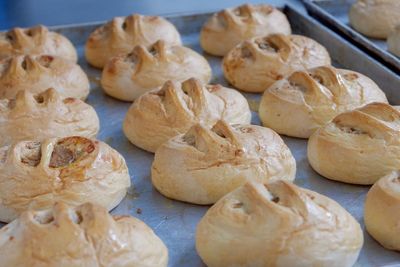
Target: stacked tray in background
[(335, 14)]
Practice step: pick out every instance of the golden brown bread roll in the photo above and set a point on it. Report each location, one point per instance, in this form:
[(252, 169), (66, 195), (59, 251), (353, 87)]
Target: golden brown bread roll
[(48, 114), (86, 235), (129, 76), (306, 100), (227, 28), (36, 40), (382, 207), (203, 165), (393, 41), (255, 64), (375, 18), (358, 146), (122, 34), (158, 116), (278, 224), (72, 169), (37, 73)]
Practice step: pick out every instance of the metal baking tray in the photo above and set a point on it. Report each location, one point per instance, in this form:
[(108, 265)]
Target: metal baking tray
[(334, 13), (175, 222)]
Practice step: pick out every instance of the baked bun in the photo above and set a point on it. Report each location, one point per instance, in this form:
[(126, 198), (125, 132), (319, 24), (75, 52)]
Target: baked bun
[(122, 34), (255, 64), (86, 235), (37, 73), (375, 18), (44, 115), (204, 164), (129, 76), (227, 28), (306, 100), (382, 207), (71, 169), (393, 41), (36, 40), (278, 224), (358, 146), (158, 116)]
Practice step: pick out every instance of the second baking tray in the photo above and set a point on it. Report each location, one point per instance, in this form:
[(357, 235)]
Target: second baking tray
[(334, 13), (175, 222)]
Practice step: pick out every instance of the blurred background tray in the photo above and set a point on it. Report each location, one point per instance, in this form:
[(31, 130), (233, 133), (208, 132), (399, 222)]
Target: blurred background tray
[(334, 14)]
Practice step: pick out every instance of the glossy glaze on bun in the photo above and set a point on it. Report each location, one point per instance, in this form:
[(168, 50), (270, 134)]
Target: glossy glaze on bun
[(231, 26), (381, 211), (255, 64), (127, 77), (122, 34), (48, 114), (358, 146), (35, 175), (307, 100), (38, 73), (278, 224), (204, 164), (87, 235), (158, 116), (37, 40)]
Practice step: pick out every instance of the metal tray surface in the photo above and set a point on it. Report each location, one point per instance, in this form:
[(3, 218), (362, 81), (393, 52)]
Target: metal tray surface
[(335, 14), (175, 222)]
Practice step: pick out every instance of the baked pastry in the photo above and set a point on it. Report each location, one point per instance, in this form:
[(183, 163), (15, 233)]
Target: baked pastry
[(44, 115), (129, 76), (36, 40), (306, 100), (393, 41), (375, 18), (71, 169), (358, 146), (382, 207), (38, 73), (204, 164), (255, 64), (278, 224), (227, 28), (122, 34), (158, 116), (82, 236)]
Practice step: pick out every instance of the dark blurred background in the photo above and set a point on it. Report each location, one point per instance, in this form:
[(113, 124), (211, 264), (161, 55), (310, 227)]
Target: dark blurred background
[(58, 12)]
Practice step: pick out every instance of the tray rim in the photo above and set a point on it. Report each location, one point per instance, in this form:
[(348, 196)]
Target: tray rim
[(60, 27), (101, 22)]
